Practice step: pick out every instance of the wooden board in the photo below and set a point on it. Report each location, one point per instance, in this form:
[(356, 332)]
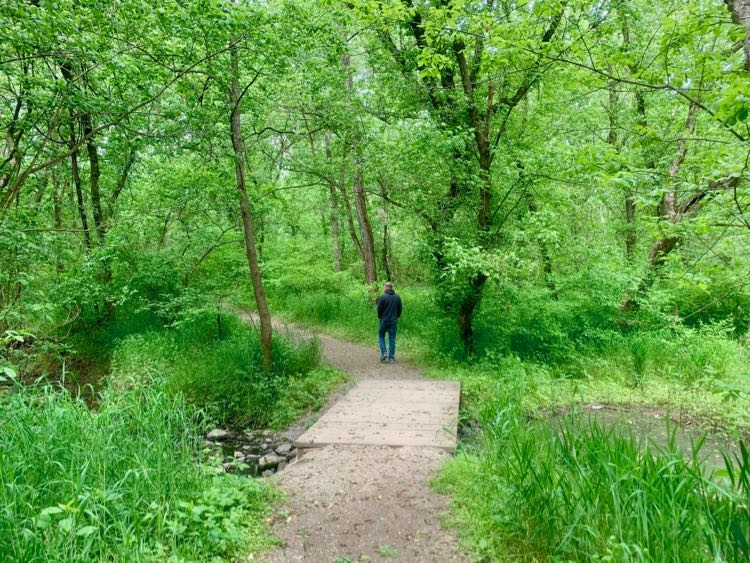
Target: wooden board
[(390, 413)]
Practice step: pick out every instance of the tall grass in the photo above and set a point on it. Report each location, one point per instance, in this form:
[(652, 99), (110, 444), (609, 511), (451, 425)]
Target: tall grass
[(214, 360), (582, 492), (121, 483)]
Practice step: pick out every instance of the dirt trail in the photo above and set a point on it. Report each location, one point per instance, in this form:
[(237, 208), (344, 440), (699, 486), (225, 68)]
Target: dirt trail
[(361, 503)]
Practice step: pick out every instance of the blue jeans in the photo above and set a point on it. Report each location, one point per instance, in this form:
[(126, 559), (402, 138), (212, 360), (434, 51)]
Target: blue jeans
[(390, 328)]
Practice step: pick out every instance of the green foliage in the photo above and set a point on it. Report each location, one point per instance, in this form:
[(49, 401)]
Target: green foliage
[(491, 142), (582, 492), (348, 309), (214, 359), (121, 483)]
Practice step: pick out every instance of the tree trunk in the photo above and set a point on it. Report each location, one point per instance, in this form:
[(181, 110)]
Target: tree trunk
[(368, 241), (76, 174), (94, 175), (466, 311), (58, 197), (386, 253), (669, 211), (350, 222), (335, 228), (238, 144), (740, 11), (335, 223), (613, 141), (122, 181), (75, 171), (544, 252)]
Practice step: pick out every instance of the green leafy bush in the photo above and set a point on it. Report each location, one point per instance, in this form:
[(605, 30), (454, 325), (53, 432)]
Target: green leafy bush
[(214, 359)]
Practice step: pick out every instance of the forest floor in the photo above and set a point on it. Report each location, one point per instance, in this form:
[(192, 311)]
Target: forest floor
[(360, 503)]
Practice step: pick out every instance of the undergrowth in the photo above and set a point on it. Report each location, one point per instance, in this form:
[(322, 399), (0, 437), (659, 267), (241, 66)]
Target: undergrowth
[(214, 360), (119, 483), (583, 492), (120, 478)]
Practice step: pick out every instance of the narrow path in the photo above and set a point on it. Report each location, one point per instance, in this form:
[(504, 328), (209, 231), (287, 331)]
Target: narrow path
[(362, 503)]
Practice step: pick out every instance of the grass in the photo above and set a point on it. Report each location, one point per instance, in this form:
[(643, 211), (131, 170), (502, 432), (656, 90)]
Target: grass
[(214, 359), (121, 483), (529, 492)]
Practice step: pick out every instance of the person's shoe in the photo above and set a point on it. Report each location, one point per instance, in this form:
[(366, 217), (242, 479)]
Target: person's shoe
[(391, 361), (383, 359)]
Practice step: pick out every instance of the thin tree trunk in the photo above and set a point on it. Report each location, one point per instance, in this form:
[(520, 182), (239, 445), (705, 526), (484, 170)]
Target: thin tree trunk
[(669, 211), (58, 197), (631, 239), (368, 240), (335, 223), (613, 141), (543, 251), (386, 255), (94, 175), (74, 168), (350, 222), (238, 144), (386, 251), (76, 174), (335, 228), (122, 181)]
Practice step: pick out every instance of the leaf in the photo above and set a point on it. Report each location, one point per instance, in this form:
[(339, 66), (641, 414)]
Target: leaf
[(66, 524), (86, 531), (46, 516), (11, 373), (52, 510)]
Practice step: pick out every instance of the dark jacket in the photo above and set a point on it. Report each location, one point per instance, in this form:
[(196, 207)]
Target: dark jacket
[(389, 306)]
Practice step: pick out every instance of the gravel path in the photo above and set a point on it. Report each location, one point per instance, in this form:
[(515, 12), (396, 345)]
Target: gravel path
[(361, 503)]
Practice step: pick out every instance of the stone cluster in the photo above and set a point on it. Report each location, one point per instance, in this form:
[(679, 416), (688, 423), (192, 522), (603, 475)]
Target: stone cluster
[(255, 453)]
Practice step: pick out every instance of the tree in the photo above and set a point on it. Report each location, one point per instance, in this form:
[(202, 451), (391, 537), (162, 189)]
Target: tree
[(455, 50)]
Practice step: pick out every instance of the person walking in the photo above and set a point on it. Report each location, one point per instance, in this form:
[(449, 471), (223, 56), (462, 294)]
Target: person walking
[(389, 311)]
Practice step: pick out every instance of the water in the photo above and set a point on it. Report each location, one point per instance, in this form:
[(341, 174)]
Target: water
[(650, 428)]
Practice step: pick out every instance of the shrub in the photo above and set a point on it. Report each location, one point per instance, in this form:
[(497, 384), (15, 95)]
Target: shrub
[(214, 360)]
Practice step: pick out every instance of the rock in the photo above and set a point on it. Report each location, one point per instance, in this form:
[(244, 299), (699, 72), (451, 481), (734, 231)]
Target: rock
[(267, 433), (239, 455), (281, 466), (267, 473), (284, 449), (270, 460), (251, 458), (292, 454), (217, 435), (228, 466)]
